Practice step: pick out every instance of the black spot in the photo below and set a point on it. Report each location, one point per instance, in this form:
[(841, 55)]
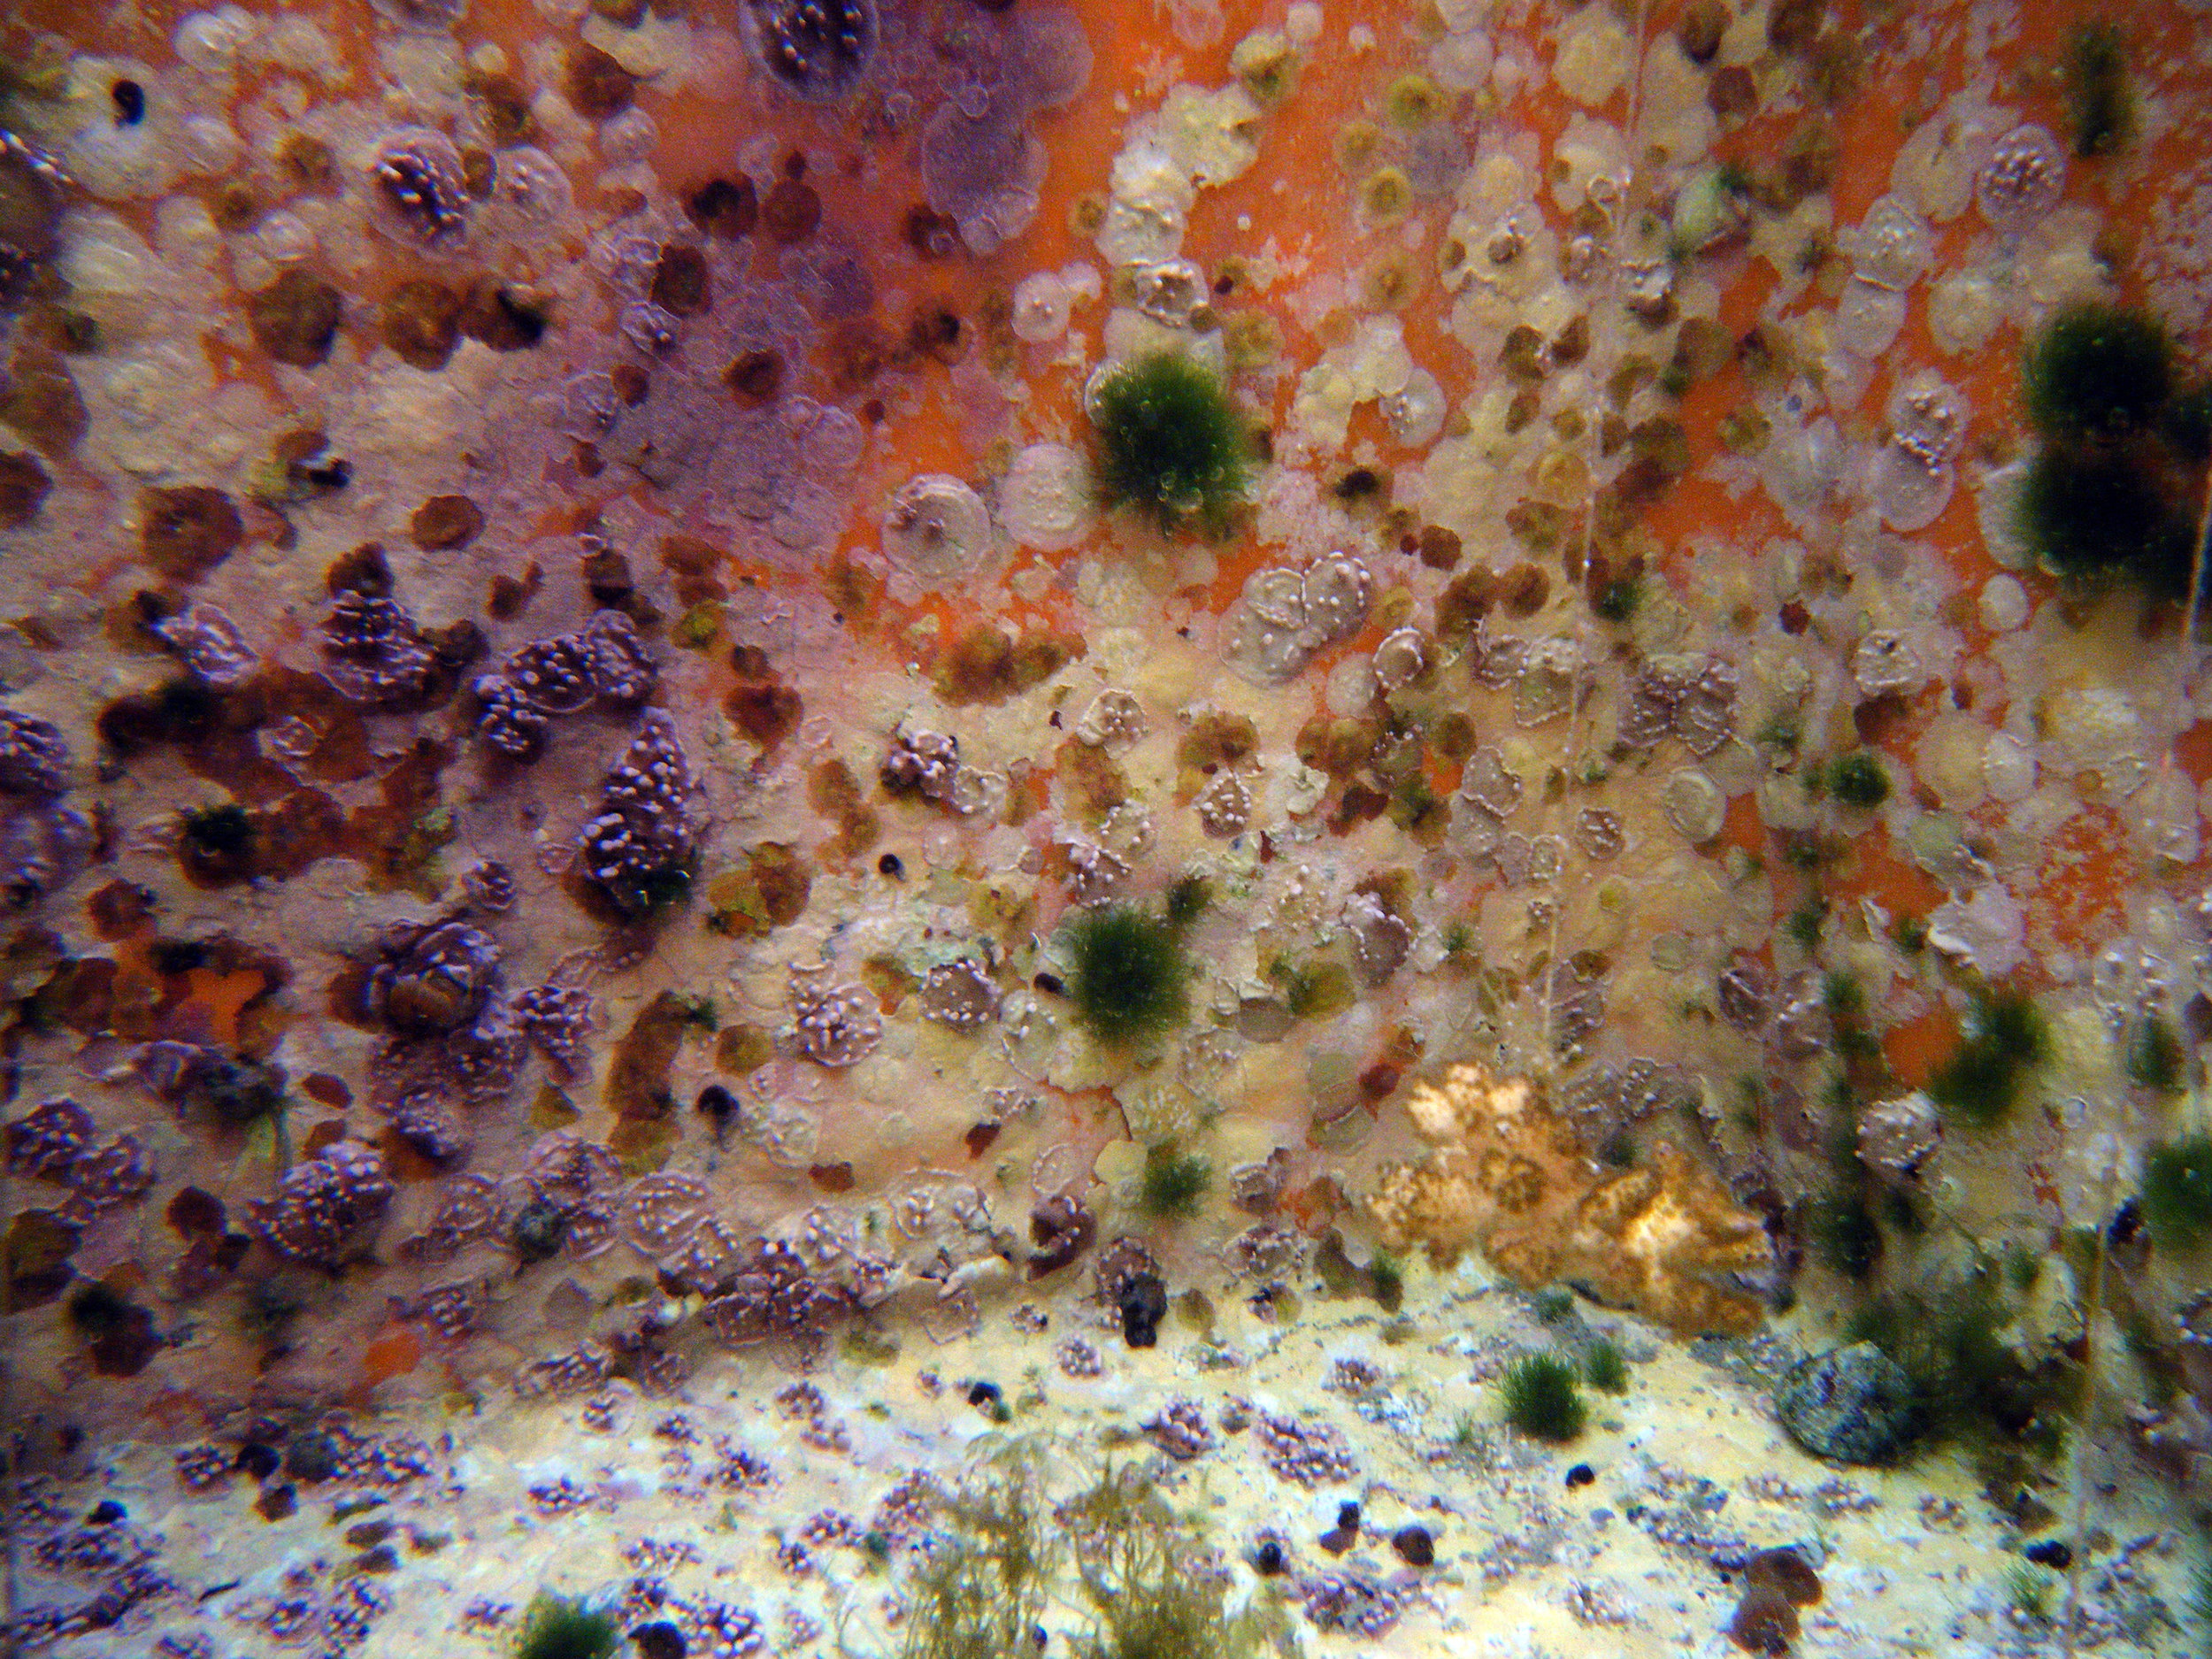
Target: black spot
[(1267, 1560), (257, 1460), (1415, 1545), (889, 864), (717, 1104), (107, 1513), (311, 1457), (660, 1639), (178, 956), (1581, 1475), (130, 103), (2055, 1553), (1143, 1304)]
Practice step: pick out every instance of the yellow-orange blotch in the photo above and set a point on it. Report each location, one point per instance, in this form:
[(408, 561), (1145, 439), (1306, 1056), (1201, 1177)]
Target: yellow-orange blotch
[(1508, 1176)]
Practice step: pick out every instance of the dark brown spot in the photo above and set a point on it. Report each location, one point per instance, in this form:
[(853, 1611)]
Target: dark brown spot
[(23, 487), (598, 86), (1526, 588), (193, 1211), (362, 571), (310, 162), (506, 108), (1792, 25), (502, 319), (295, 320), (987, 665), (1732, 92), (1439, 548), (766, 713), (421, 323), (446, 521), (120, 910), (1339, 747), (1214, 740), (756, 377), (930, 233), (509, 594), (934, 332), (40, 401), (681, 285), (791, 212), (188, 531), (637, 1076), (1701, 28), (236, 208), (1465, 602), (695, 565), (632, 384), (725, 208), (276, 1503), (831, 1178)]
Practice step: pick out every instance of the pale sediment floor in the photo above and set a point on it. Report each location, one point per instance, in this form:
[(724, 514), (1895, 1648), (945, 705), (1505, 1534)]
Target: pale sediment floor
[(769, 1510)]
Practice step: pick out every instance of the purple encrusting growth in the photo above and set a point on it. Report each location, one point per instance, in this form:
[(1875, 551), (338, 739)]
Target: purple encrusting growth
[(325, 1208)]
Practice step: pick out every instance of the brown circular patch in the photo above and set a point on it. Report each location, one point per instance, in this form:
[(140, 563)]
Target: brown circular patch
[(680, 283), (725, 208), (188, 531), (791, 212), (447, 521), (295, 320), (421, 323), (756, 377), (597, 86)]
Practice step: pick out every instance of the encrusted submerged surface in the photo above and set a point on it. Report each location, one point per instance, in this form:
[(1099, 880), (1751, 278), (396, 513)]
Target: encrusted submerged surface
[(576, 675)]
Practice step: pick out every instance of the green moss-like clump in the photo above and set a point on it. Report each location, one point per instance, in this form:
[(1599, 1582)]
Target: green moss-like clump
[(1148, 1578), (2177, 1197), (1618, 600), (1387, 1282), (2090, 512), (558, 1628), (1971, 1386), (1858, 779), (1605, 1366), (2098, 103), (2110, 491), (1846, 1235), (1170, 444), (2098, 371), (1129, 976), (1002, 1555), (1980, 1083), (1173, 1182), (1543, 1400), (1187, 900), (984, 1588)]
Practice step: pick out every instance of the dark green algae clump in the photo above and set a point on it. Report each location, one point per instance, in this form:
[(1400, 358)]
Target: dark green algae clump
[(1170, 444), (2113, 491)]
